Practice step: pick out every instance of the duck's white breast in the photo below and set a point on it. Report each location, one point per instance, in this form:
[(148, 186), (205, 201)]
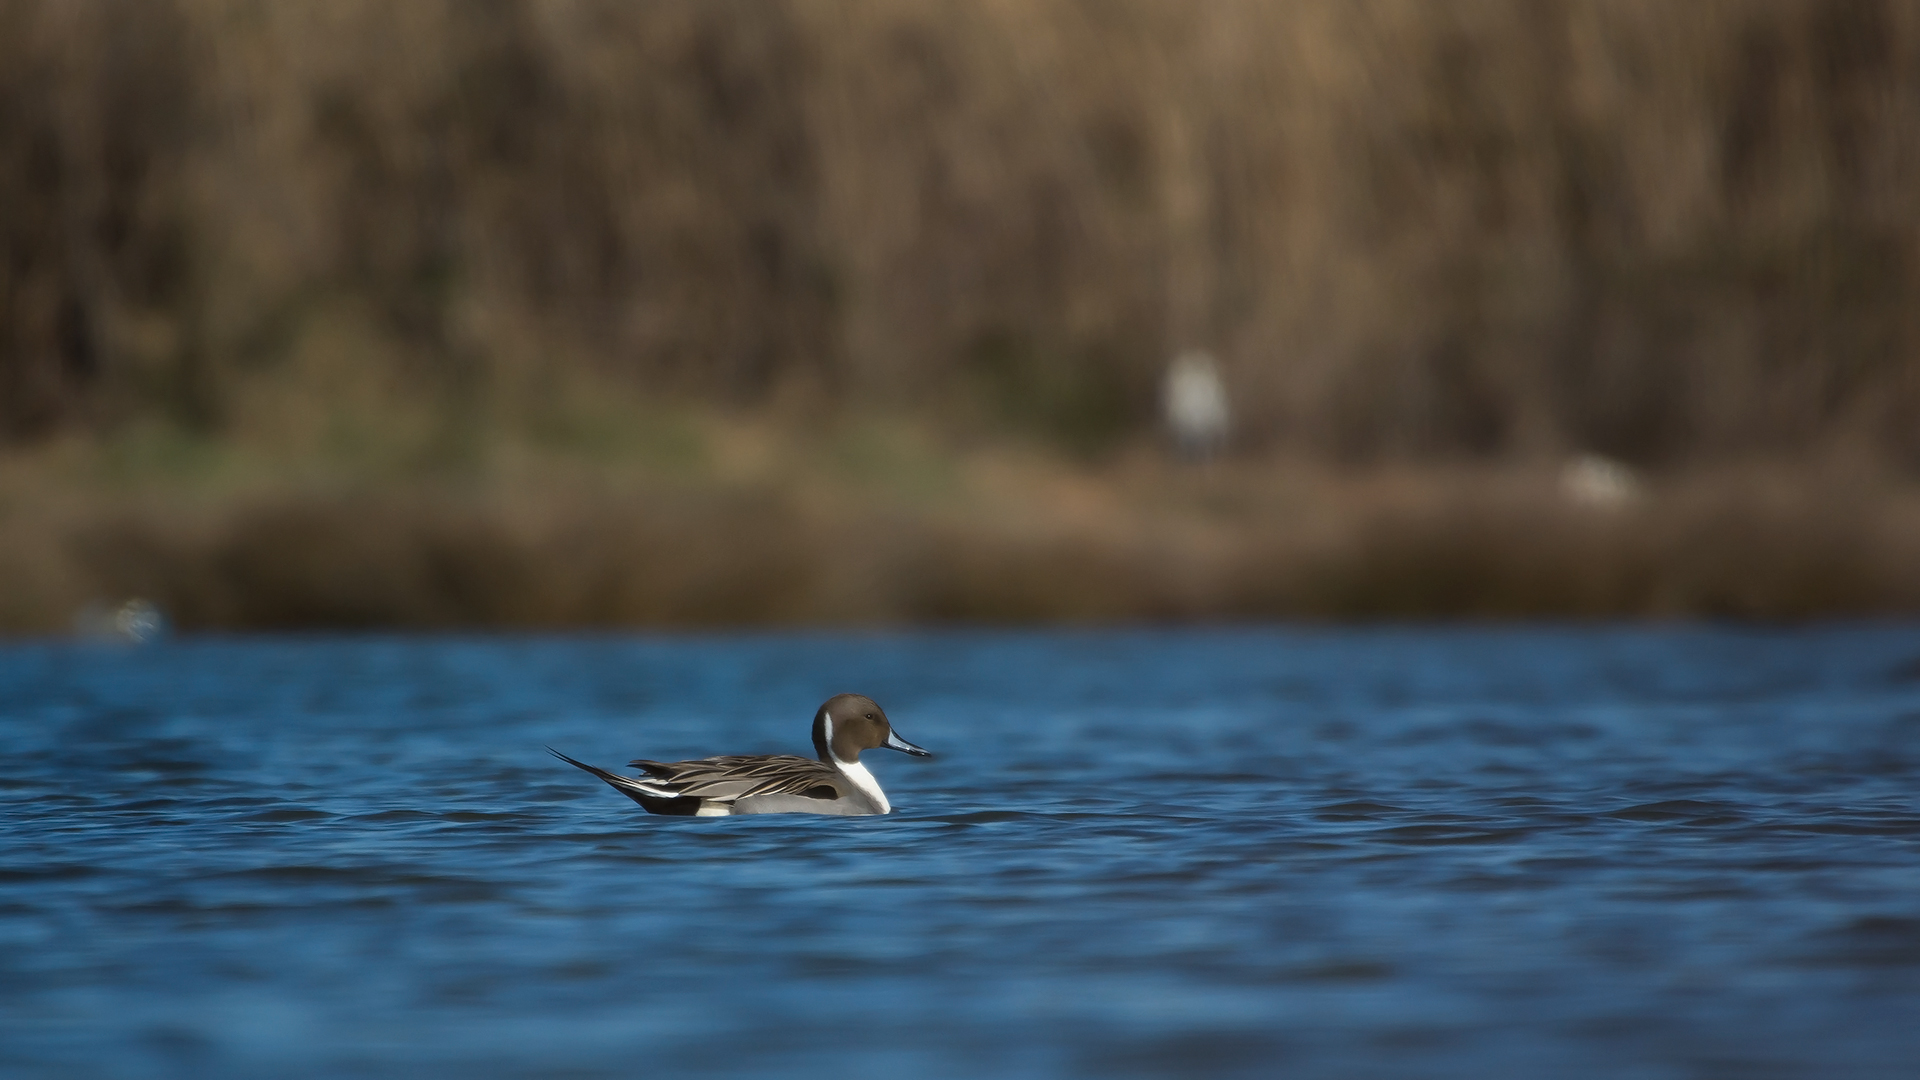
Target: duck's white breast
[(867, 785)]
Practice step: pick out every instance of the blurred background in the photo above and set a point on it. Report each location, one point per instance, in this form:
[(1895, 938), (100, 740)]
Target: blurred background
[(544, 313)]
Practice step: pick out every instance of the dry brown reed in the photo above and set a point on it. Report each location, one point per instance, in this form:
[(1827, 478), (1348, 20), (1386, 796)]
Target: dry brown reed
[(1493, 228)]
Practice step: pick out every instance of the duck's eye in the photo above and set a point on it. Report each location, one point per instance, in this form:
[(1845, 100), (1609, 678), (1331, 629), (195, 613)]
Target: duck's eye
[(869, 716)]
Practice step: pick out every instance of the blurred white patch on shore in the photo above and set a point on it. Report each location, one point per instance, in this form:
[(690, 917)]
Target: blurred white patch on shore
[(1196, 405), (136, 621), (1593, 480)]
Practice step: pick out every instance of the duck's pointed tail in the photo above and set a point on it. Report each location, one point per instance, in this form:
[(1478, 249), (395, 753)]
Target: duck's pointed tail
[(651, 796)]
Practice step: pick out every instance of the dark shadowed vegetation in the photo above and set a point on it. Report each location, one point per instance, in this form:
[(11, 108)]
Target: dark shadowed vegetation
[(555, 312)]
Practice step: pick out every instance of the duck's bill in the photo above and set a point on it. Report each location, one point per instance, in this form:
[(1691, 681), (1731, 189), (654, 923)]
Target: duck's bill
[(895, 742)]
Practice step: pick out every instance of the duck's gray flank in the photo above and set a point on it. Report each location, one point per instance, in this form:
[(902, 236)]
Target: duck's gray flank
[(833, 783)]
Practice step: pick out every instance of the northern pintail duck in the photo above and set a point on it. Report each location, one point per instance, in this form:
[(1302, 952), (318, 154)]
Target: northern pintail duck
[(836, 783)]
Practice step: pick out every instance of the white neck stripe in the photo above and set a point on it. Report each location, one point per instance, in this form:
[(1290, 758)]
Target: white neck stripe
[(864, 781)]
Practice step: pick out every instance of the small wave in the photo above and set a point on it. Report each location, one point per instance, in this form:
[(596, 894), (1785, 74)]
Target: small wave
[(1356, 810), (287, 815), (1688, 810), (1428, 835), (1870, 940), (38, 874)]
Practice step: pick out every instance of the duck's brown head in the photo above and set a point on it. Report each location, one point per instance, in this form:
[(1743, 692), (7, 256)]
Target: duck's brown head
[(850, 723)]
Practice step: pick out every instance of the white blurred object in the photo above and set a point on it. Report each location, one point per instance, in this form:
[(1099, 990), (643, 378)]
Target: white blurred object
[(137, 621), (1196, 403), (1592, 480)]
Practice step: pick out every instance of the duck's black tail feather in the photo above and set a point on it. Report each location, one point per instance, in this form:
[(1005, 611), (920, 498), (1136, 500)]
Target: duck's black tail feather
[(645, 792)]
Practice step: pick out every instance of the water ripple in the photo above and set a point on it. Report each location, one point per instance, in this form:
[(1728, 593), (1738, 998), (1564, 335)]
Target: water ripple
[(1636, 853)]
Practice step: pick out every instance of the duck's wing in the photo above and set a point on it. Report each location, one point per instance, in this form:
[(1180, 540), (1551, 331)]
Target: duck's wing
[(739, 776)]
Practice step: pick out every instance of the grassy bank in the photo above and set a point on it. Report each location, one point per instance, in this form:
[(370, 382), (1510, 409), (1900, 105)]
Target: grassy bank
[(711, 520)]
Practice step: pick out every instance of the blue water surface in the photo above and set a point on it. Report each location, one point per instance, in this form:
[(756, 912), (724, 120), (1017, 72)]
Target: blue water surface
[(1619, 852)]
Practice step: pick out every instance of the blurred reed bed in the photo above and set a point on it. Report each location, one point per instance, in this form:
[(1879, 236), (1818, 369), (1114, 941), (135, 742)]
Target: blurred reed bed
[(291, 288)]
